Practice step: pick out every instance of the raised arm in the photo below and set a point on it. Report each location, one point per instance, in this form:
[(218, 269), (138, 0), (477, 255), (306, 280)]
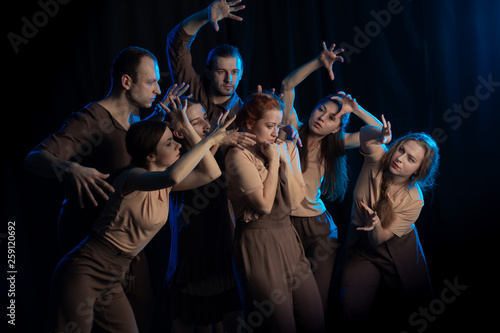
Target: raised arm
[(349, 105), (143, 180), (208, 168), (375, 136), (215, 12), (325, 59), (180, 38)]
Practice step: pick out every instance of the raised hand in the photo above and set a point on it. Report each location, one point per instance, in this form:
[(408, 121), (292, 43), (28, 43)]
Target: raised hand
[(273, 91), (386, 134), (348, 103), (292, 134), (176, 110), (176, 90), (374, 220), (328, 56), (239, 139), (221, 9), (218, 133)]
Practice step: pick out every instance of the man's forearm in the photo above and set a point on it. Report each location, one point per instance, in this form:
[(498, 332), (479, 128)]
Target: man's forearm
[(46, 165)]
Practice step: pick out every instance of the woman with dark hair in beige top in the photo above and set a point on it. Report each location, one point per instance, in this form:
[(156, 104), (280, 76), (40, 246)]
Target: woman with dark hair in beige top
[(383, 256), (265, 183), (87, 286), (324, 166)]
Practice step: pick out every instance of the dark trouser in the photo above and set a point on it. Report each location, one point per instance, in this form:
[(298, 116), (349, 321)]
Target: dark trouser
[(319, 239), (278, 290), (381, 285), (87, 290), (74, 226)]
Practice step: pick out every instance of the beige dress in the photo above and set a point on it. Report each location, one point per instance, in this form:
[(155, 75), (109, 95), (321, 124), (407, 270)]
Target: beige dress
[(278, 290)]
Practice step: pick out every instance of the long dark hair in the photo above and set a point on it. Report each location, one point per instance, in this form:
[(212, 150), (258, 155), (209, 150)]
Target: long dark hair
[(425, 176), (332, 154)]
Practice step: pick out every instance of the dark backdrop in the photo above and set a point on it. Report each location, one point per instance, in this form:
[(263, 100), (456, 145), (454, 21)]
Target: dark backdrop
[(429, 65)]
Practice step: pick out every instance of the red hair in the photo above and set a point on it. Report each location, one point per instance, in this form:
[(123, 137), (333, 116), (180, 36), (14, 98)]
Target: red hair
[(255, 108)]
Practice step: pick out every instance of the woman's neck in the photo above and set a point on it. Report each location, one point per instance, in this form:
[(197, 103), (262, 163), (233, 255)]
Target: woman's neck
[(396, 183), (313, 141)]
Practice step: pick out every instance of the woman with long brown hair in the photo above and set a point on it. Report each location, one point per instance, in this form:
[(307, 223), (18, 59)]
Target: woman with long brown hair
[(324, 166), (383, 255)]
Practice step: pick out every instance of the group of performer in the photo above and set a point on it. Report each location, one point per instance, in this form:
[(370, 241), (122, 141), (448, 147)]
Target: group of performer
[(241, 185)]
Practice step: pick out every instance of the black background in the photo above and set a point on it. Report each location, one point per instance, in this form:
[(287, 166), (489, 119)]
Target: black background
[(419, 65)]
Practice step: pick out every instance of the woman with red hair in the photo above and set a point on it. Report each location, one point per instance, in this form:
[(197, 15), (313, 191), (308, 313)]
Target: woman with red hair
[(265, 183)]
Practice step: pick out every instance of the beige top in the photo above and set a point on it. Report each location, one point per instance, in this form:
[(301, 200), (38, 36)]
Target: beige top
[(312, 205), (130, 221), (246, 172), (407, 202)]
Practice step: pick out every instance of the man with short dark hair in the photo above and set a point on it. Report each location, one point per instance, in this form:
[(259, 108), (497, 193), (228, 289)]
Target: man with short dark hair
[(216, 88), (89, 151)]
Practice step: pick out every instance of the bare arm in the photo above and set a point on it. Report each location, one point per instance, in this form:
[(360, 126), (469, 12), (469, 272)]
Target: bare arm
[(288, 90), (373, 135), (349, 105), (143, 180), (262, 200), (325, 59), (290, 162), (208, 168)]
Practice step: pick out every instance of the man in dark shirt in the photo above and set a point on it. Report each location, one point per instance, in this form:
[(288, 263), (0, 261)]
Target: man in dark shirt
[(89, 151), (216, 88)]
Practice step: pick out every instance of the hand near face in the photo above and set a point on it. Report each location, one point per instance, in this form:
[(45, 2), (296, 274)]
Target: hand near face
[(292, 134), (179, 120), (176, 90), (349, 103), (235, 138), (271, 151), (218, 133)]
